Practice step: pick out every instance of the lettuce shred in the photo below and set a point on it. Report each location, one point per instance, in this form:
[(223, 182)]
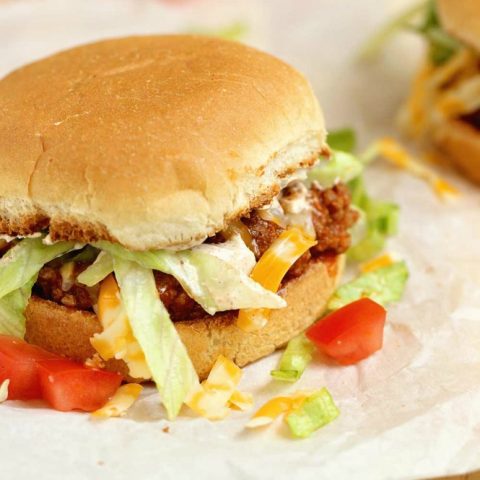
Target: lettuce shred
[(214, 283), (97, 271), (442, 46), (168, 360), (19, 269), (384, 285), (294, 359), (317, 410)]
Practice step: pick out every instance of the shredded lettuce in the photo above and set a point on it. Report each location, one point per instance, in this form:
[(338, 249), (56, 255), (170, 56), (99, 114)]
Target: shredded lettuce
[(218, 286), (215, 284), (97, 271), (19, 269), (383, 285), (341, 166), (343, 139), (12, 310), (373, 243), (373, 46), (171, 367), (317, 410), (294, 359), (377, 219), (359, 230), (234, 31), (234, 251), (442, 46), (22, 262), (381, 221), (87, 254)]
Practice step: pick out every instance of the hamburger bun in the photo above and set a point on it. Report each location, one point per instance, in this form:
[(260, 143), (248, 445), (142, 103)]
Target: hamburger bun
[(461, 18), (67, 332), (460, 142), (150, 142)]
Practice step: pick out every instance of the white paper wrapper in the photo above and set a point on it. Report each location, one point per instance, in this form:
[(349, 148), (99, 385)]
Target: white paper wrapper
[(412, 410)]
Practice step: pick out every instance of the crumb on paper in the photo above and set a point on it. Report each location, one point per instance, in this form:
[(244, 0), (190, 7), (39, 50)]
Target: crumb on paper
[(166, 429)]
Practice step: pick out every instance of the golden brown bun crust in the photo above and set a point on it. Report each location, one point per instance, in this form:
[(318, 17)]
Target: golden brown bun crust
[(152, 142), (461, 18), (67, 332), (461, 143)]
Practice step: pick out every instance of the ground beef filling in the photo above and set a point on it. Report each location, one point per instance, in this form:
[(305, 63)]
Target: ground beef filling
[(331, 215), (50, 285)]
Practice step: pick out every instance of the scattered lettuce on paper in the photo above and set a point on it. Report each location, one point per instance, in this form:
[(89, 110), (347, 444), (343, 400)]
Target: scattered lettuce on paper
[(294, 359), (315, 412), (384, 285)]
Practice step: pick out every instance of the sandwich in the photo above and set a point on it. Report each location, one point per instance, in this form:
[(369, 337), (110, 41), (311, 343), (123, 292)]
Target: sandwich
[(443, 110), (155, 208)]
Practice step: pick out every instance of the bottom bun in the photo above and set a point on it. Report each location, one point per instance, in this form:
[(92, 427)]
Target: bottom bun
[(461, 143), (67, 332)]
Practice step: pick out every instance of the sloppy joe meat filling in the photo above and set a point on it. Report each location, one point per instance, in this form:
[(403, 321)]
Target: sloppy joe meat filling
[(331, 218)]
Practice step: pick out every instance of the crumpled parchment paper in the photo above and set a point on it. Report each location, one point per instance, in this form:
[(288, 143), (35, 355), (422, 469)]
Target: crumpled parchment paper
[(412, 410)]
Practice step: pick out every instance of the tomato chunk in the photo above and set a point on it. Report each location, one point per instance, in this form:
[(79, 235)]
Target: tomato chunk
[(351, 333), (18, 363), (67, 385)]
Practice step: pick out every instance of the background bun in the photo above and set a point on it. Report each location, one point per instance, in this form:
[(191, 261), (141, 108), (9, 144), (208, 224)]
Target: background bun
[(461, 143), (67, 332), (461, 18), (152, 142)]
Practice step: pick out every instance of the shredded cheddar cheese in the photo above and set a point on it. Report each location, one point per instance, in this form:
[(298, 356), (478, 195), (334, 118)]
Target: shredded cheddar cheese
[(270, 270), (214, 398), (393, 152), (378, 262), (117, 340), (417, 100), (275, 407), (460, 100), (118, 405), (442, 93), (241, 401)]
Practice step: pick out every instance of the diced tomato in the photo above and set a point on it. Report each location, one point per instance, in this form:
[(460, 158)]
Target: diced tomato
[(67, 385), (18, 363), (351, 333)]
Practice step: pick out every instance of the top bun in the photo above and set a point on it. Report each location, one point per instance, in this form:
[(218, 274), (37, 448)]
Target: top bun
[(461, 18), (151, 142)]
